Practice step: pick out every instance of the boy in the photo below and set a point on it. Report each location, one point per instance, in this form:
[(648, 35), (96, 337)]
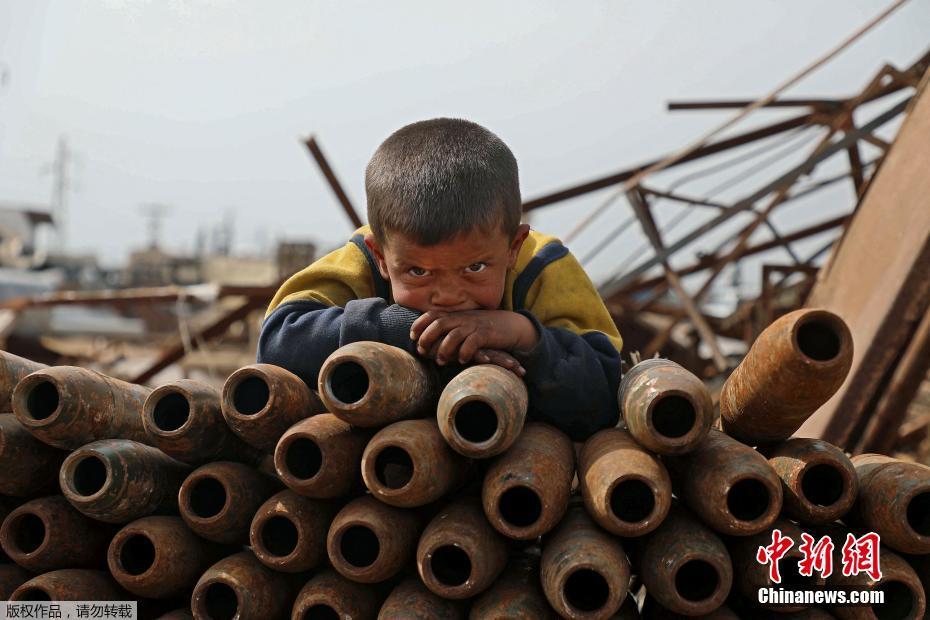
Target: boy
[(447, 271)]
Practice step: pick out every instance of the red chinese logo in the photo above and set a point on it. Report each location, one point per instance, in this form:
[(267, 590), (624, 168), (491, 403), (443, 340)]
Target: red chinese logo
[(859, 555)]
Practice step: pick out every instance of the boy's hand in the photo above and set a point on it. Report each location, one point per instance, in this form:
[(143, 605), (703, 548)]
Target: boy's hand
[(457, 336), (500, 358)]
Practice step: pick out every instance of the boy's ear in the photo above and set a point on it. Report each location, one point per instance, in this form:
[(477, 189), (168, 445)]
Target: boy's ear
[(522, 232), (378, 252)]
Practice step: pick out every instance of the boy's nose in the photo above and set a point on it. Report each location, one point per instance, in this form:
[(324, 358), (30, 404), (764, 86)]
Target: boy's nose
[(447, 297)]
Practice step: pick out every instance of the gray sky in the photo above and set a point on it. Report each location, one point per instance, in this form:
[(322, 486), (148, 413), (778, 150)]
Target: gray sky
[(200, 104)]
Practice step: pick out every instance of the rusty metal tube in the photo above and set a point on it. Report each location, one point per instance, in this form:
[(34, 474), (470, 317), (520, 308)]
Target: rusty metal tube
[(584, 571), (795, 365), (481, 410), (262, 401), (12, 370), (819, 482), (459, 555), (159, 557), (185, 421), (685, 566), (905, 598), (117, 480), (729, 485), (411, 600), (369, 541), (330, 595), (67, 407), (318, 457), (218, 500), (27, 465), (409, 464), (241, 587), (626, 489), (71, 584), (525, 491), (288, 532), (516, 595), (46, 534), (666, 408), (11, 577), (371, 384), (894, 501)]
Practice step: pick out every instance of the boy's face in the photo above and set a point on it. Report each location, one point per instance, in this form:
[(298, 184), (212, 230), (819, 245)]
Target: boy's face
[(467, 272)]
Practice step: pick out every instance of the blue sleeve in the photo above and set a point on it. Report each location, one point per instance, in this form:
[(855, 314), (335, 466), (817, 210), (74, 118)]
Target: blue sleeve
[(572, 380), (300, 335)]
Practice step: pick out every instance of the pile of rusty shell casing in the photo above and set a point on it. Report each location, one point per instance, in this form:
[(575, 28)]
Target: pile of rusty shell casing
[(749, 575), (288, 532), (371, 384), (241, 587), (409, 464), (905, 598), (185, 421), (330, 595), (516, 595), (27, 465), (318, 457), (584, 571), (893, 501), (218, 500), (13, 369), (67, 407), (459, 555), (526, 490), (118, 480), (11, 577), (666, 408), (369, 541), (481, 410), (411, 600), (685, 566), (48, 533), (71, 584), (261, 401), (626, 489), (159, 557), (819, 482), (795, 365), (730, 486)]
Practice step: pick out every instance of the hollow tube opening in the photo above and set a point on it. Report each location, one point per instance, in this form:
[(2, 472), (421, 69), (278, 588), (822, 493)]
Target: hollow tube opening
[(748, 499), (632, 501), (207, 497), (673, 416), (818, 340), (303, 458), (90, 475), (918, 513), (171, 412), (394, 467), (450, 565), (822, 485), (279, 536), (586, 590), (320, 612), (250, 395), (28, 532), (696, 580), (221, 602), (137, 554), (520, 506), (475, 421), (42, 400), (899, 601), (359, 546), (349, 382)]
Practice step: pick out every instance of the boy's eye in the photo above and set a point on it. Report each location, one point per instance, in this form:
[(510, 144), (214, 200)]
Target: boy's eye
[(418, 272), (476, 267)]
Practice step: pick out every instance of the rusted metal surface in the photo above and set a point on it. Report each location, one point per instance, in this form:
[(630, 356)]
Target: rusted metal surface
[(159, 557), (330, 595), (12, 370), (67, 407), (218, 500), (665, 407), (27, 465), (516, 595), (685, 566), (318, 457), (241, 587), (11, 577), (288, 532), (411, 600), (369, 541), (792, 368), (71, 584), (819, 482), (626, 489), (482, 410), (409, 464), (729, 485), (184, 420), (261, 401), (905, 598), (459, 555), (48, 533), (584, 571), (371, 384), (178, 614), (117, 480), (894, 501), (525, 491)]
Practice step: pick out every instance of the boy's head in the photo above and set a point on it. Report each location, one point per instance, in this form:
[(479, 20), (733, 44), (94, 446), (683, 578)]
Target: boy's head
[(444, 208)]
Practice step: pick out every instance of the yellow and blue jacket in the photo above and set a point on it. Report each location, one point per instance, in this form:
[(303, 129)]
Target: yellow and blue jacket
[(572, 375)]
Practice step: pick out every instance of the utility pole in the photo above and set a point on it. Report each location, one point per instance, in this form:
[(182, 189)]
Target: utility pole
[(62, 183), (155, 212)]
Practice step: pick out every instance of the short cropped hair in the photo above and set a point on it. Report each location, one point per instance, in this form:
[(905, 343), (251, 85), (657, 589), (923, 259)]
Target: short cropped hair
[(435, 179)]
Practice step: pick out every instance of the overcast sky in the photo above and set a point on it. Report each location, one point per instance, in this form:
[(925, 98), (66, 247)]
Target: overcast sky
[(201, 104)]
